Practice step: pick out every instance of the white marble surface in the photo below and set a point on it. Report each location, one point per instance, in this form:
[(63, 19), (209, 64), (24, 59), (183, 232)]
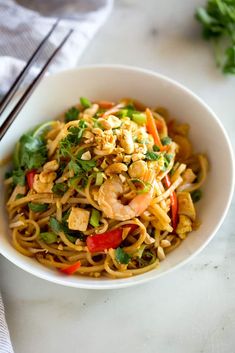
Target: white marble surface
[(190, 310)]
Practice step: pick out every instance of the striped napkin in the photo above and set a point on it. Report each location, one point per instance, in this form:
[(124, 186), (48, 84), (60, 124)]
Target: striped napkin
[(22, 30), (22, 27), (5, 343)]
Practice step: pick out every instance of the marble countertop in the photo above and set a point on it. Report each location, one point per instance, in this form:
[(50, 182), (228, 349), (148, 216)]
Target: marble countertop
[(189, 310)]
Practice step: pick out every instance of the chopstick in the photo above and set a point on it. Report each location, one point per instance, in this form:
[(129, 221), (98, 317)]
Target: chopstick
[(12, 90), (13, 114)]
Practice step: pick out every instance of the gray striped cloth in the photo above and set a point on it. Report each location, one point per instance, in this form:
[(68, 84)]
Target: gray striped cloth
[(5, 342), (22, 30), (22, 27)]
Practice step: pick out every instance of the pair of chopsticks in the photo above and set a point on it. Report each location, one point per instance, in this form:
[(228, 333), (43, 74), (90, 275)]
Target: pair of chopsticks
[(9, 95)]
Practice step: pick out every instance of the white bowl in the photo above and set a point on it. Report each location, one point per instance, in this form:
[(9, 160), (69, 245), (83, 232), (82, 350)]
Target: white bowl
[(58, 92)]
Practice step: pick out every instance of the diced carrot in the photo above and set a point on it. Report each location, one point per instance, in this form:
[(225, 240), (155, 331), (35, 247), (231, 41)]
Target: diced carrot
[(152, 128), (105, 104)]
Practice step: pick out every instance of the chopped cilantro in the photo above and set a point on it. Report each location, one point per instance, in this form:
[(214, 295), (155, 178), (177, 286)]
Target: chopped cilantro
[(166, 140), (196, 195), (37, 207), (152, 156), (48, 237), (72, 139), (55, 225), (121, 256), (19, 196), (218, 24), (60, 188), (18, 177), (71, 114), (31, 152), (156, 148)]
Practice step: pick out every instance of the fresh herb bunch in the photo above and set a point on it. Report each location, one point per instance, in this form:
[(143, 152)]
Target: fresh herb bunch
[(218, 22)]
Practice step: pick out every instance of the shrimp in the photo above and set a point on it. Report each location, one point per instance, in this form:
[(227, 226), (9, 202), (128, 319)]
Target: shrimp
[(112, 207)]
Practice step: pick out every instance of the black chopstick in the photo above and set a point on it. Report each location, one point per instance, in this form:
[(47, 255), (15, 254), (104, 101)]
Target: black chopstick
[(12, 90), (13, 114)]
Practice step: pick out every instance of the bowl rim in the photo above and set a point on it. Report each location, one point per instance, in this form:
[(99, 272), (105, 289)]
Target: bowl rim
[(139, 279)]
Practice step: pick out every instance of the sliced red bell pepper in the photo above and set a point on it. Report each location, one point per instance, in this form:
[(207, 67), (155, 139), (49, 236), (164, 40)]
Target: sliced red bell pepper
[(71, 268), (111, 239), (174, 203), (30, 177)]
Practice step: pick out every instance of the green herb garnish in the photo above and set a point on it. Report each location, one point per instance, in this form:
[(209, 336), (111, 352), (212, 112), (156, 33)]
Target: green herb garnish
[(71, 114), (19, 196), (152, 156), (55, 225), (58, 227), (31, 152), (156, 148), (48, 237), (196, 195), (60, 188), (18, 177), (218, 24), (37, 207), (166, 140), (72, 139), (121, 256)]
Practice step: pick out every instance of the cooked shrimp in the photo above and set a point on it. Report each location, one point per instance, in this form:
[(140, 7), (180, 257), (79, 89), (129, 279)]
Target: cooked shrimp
[(112, 207)]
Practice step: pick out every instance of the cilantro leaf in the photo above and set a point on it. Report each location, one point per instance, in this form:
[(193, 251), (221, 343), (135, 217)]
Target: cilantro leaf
[(74, 166), (121, 256), (60, 188), (218, 24), (19, 196), (71, 114), (72, 139), (18, 177), (166, 140), (32, 152), (196, 195), (152, 156), (156, 148), (55, 225), (37, 207), (86, 165), (48, 237)]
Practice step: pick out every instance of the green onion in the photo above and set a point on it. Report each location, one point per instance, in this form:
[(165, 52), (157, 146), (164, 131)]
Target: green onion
[(99, 179), (37, 207), (48, 237), (166, 140), (139, 118), (196, 195), (85, 102), (95, 218)]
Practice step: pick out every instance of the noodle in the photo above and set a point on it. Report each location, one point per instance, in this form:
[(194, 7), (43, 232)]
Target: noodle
[(107, 193)]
